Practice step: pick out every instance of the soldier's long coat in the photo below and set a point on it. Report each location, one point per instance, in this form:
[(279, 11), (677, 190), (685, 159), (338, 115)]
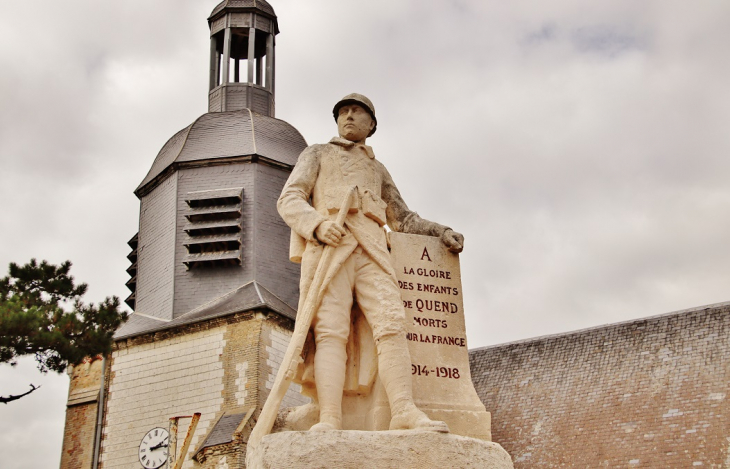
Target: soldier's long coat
[(314, 193)]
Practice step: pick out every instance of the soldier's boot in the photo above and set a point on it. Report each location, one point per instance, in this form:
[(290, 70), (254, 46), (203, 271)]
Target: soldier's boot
[(394, 367), (329, 374)]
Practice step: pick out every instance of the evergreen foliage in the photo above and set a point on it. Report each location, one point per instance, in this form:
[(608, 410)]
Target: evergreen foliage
[(42, 314)]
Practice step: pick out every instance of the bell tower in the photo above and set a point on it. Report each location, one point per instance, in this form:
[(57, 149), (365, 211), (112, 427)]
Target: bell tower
[(242, 65), (213, 291)]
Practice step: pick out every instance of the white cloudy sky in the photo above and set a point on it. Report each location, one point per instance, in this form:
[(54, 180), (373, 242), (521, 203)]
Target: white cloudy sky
[(581, 147)]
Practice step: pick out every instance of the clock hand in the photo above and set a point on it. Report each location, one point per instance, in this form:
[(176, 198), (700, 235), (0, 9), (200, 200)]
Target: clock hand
[(158, 446)]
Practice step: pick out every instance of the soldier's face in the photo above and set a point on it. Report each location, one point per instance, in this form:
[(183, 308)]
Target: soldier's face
[(354, 123)]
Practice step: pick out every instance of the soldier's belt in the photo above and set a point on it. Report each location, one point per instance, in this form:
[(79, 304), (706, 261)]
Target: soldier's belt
[(371, 204)]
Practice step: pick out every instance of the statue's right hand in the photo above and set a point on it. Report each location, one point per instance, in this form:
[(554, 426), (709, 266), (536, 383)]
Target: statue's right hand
[(330, 233)]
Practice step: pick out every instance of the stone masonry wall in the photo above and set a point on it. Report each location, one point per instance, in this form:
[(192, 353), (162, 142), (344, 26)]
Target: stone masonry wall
[(217, 367), (651, 393), (152, 382)]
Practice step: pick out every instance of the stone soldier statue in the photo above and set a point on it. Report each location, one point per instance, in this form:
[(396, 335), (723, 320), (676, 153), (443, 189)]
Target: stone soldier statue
[(360, 270)]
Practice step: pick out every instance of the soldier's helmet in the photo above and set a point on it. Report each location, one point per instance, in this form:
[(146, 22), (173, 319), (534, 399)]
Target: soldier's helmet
[(356, 98)]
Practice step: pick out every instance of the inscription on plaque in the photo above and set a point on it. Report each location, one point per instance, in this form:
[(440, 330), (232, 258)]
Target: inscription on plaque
[(429, 278)]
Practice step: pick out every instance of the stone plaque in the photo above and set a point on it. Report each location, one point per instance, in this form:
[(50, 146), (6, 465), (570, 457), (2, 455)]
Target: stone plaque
[(429, 278)]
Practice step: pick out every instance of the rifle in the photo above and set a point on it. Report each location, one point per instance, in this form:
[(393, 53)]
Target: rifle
[(293, 356)]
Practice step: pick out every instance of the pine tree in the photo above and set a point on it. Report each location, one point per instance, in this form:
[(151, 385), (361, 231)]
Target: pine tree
[(42, 314)]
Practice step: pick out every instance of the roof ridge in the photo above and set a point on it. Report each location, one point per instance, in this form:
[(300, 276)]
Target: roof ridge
[(151, 317), (276, 296), (187, 135), (253, 132), (216, 299), (605, 326), (258, 292)]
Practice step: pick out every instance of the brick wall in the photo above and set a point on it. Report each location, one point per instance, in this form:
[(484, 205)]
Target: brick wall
[(81, 414), (274, 342), (241, 364), (78, 439), (651, 393)]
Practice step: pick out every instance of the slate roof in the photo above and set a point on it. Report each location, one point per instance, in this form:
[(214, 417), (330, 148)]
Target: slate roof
[(222, 431), (245, 298), (260, 5), (257, 6), (219, 135), (482, 359), (543, 338)]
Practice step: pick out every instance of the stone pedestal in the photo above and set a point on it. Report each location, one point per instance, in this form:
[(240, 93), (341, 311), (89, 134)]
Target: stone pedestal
[(349, 449)]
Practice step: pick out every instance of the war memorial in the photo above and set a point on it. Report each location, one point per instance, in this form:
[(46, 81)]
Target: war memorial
[(278, 324)]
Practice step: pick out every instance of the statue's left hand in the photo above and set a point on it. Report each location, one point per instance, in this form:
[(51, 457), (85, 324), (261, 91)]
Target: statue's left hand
[(453, 240)]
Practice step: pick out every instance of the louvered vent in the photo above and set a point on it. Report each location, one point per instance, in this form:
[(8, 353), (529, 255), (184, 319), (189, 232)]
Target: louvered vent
[(213, 228), (132, 271)]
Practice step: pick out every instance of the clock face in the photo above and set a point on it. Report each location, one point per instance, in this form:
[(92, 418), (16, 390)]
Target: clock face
[(153, 448)]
